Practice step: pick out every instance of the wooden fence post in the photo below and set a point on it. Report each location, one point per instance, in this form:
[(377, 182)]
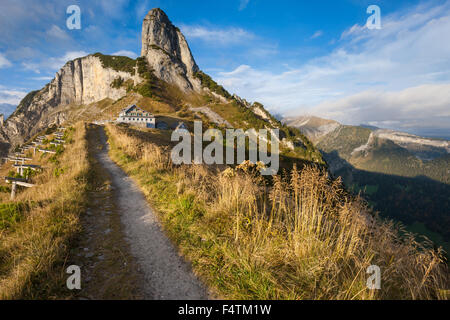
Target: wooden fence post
[(13, 190)]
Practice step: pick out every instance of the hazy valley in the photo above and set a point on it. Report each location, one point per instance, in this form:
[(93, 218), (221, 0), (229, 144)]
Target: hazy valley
[(404, 176)]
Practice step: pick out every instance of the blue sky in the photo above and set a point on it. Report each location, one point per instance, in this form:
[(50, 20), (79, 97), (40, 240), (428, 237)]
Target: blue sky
[(296, 57)]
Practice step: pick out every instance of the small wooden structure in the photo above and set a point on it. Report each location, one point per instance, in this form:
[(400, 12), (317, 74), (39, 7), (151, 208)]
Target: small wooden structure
[(21, 167), (17, 159), (17, 182), (23, 158), (26, 148), (47, 151), (30, 147)]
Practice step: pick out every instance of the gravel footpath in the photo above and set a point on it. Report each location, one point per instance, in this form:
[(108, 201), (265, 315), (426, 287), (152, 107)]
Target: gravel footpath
[(167, 275)]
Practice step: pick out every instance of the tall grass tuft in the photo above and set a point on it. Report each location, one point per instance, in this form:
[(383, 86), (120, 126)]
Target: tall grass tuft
[(33, 248), (300, 237)]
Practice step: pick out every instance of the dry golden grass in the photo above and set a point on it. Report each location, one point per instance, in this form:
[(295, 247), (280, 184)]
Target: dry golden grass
[(32, 251), (301, 237)]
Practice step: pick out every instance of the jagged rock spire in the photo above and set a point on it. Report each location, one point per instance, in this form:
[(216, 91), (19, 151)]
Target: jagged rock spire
[(167, 51)]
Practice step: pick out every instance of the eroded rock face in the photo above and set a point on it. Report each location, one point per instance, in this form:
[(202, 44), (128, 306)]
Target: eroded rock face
[(80, 82), (85, 80), (168, 52)]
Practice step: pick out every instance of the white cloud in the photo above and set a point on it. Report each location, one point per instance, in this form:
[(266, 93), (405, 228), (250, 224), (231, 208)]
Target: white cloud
[(26, 21), (58, 33), (21, 53), (406, 54), (53, 64), (31, 67), (126, 53), (11, 96), (423, 106), (57, 63), (354, 30), (42, 78), (243, 4), (239, 70), (317, 34), (224, 36), (4, 63)]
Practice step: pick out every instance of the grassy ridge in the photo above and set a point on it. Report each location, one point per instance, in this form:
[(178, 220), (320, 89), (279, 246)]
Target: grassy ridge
[(301, 238), (117, 63), (36, 228)]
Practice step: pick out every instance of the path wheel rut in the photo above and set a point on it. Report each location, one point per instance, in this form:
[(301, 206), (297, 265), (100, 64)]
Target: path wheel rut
[(165, 274)]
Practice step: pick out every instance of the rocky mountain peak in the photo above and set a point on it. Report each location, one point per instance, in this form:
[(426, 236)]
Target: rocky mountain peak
[(168, 52), (90, 79)]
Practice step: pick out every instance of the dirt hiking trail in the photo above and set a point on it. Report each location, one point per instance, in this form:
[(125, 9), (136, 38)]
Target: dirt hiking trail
[(162, 273)]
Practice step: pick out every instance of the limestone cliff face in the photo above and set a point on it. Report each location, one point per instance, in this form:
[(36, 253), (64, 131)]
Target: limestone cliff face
[(168, 52), (80, 82), (87, 80)]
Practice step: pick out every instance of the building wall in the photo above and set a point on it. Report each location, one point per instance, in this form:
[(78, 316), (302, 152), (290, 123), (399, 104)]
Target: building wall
[(138, 121)]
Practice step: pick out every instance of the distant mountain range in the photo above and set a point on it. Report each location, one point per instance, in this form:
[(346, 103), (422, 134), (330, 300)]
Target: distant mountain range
[(404, 176), (375, 149)]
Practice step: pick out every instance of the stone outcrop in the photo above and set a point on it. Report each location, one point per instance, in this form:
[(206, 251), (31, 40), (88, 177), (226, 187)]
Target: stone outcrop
[(168, 52), (313, 127), (80, 82), (86, 80)]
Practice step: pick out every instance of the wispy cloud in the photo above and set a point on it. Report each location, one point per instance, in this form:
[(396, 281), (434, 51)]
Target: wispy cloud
[(406, 54), (57, 63), (22, 52), (352, 31), (317, 34), (34, 67), (425, 106), (4, 62), (126, 53), (11, 96), (243, 4), (53, 64), (58, 33), (44, 78), (224, 36)]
